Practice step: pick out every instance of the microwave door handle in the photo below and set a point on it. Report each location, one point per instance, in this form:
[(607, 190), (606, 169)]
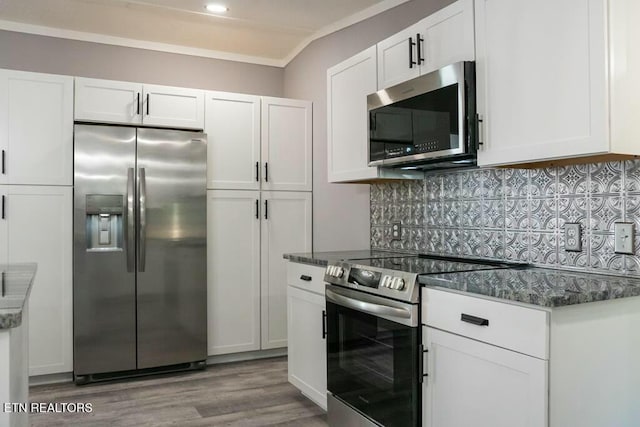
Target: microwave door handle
[(374, 309)]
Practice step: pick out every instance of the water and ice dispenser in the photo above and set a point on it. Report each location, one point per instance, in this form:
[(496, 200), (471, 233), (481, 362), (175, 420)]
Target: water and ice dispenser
[(105, 227)]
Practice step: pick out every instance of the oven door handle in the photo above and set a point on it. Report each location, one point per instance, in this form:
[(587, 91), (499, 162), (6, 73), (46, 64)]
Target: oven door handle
[(367, 305)]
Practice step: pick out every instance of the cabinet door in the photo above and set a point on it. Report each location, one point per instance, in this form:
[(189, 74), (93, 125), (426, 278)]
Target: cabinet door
[(36, 128), (108, 101), (473, 383), (40, 231), (173, 107), (307, 351), (286, 144), (397, 58), (348, 85), (541, 79), (448, 36), (232, 125), (286, 228), (233, 271)]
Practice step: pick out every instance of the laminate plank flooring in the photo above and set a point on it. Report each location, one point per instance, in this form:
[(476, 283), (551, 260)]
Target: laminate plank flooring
[(253, 393)]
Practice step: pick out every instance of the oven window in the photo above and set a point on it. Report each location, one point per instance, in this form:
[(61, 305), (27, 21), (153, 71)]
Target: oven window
[(425, 123), (373, 365)]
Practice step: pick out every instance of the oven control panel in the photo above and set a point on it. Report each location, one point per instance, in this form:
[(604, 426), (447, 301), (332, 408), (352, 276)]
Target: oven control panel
[(381, 281), (335, 271), (392, 282)]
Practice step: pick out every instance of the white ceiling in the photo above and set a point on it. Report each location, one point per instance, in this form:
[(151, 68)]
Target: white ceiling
[(262, 31)]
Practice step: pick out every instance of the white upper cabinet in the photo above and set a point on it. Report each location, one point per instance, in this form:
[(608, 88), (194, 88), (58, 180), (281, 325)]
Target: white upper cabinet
[(440, 39), (348, 84), (556, 80), (36, 128), (232, 125), (286, 144), (286, 228), (108, 101), (174, 107)]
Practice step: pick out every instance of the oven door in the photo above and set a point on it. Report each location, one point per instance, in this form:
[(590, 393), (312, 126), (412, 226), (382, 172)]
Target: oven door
[(372, 356)]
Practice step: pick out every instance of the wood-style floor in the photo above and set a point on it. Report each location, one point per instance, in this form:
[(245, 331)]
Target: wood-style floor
[(254, 393)]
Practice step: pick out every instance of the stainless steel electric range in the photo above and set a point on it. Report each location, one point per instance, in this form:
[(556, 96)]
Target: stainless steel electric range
[(374, 367)]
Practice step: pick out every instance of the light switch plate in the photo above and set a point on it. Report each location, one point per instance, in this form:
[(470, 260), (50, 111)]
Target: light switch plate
[(572, 237), (623, 238), (396, 231)]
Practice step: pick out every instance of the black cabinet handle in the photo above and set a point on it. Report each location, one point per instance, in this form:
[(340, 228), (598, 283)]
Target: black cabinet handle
[(257, 209), (419, 41), (479, 121), (147, 104), (3, 290), (266, 209), (257, 171), (3, 215), (266, 172), (474, 320), (305, 278), (138, 104), (411, 45), (324, 324), (423, 369), (4, 156)]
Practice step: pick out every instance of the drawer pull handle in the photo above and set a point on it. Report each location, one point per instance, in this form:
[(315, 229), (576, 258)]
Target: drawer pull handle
[(305, 278), (474, 320)]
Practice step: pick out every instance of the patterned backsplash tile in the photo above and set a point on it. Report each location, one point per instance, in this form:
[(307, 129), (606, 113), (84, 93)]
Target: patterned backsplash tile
[(514, 214)]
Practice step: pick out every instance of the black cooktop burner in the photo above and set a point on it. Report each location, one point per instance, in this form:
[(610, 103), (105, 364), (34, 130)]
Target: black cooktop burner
[(432, 264)]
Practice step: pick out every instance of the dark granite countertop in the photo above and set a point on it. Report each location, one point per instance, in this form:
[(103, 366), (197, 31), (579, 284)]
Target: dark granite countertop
[(18, 279), (538, 286), (323, 258)]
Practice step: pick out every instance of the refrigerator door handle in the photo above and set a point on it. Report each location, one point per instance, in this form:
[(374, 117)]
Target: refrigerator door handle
[(142, 215), (130, 230)]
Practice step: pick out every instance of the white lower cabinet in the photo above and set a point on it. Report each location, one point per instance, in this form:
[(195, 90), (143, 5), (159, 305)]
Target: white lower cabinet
[(472, 383), (233, 275), (39, 229), (247, 234), (307, 344), (286, 228)]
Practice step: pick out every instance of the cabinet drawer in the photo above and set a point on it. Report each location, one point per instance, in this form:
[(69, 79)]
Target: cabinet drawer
[(521, 329), (298, 275)]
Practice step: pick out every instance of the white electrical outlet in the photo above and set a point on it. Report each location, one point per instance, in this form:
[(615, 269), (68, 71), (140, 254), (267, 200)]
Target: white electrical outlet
[(572, 237), (396, 231), (623, 238)]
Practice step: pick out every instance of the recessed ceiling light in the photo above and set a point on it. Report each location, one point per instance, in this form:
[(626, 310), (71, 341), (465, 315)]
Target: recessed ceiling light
[(216, 8)]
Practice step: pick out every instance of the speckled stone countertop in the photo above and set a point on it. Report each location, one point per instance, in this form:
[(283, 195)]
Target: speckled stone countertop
[(538, 286), (17, 282), (323, 258)]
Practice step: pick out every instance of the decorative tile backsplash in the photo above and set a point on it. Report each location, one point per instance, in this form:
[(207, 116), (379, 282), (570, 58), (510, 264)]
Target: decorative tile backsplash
[(514, 214)]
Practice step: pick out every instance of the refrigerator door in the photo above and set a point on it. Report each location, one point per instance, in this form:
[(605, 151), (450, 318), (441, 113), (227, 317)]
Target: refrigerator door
[(172, 274), (104, 310)]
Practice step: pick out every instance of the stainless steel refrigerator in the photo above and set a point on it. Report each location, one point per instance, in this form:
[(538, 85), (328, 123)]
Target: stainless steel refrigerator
[(139, 282)]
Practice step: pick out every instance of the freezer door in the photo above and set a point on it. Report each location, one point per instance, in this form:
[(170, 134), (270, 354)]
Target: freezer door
[(104, 333), (172, 274)]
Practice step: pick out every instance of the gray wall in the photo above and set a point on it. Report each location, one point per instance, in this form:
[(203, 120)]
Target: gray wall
[(341, 211), (42, 54)]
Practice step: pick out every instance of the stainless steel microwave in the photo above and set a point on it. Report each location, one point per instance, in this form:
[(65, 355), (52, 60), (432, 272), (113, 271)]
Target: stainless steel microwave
[(428, 122)]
